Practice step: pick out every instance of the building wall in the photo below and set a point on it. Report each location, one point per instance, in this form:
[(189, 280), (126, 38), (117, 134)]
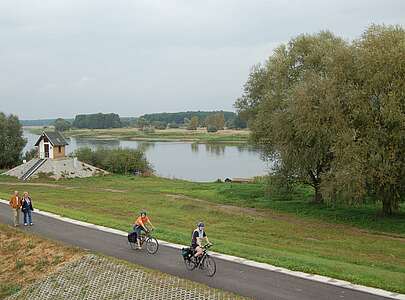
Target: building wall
[(51, 151), (42, 150), (56, 153)]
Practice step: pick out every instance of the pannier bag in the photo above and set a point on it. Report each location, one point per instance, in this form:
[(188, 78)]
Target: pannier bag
[(186, 253), (132, 237)]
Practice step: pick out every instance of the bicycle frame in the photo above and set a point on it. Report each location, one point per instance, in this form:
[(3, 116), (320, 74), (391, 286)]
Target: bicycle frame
[(193, 263), (144, 236)]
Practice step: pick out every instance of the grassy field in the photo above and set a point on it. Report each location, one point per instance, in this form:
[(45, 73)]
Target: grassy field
[(25, 259), (200, 135), (354, 244)]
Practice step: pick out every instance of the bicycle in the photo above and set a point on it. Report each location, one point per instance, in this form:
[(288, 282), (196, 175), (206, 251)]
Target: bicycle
[(152, 244), (204, 262)]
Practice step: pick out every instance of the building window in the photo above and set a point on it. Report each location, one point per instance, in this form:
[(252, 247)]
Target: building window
[(60, 149)]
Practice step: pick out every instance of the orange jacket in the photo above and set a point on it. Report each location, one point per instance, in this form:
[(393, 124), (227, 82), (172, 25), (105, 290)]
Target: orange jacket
[(142, 221), (15, 202)]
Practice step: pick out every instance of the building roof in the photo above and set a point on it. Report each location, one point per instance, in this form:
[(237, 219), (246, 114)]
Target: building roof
[(54, 137)]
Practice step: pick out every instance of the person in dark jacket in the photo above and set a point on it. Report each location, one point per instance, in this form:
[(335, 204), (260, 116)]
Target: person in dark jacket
[(27, 209), (198, 237)]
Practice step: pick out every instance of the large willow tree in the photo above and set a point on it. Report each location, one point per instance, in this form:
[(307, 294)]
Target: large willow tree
[(332, 113), (288, 100), (371, 146)]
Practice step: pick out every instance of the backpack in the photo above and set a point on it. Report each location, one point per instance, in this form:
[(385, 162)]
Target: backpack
[(186, 252), (132, 237)]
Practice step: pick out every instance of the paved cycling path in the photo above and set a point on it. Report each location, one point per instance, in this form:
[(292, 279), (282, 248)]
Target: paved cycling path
[(247, 280)]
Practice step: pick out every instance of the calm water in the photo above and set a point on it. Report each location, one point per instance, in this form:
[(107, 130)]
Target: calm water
[(197, 162)]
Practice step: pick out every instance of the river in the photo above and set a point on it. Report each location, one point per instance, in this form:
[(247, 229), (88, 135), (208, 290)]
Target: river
[(182, 160)]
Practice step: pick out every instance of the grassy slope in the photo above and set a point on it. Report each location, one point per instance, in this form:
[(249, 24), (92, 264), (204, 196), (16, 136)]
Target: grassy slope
[(40, 258), (201, 135), (294, 234)]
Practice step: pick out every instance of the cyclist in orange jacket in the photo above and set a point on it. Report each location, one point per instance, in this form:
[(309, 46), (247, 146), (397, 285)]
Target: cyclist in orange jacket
[(140, 225)]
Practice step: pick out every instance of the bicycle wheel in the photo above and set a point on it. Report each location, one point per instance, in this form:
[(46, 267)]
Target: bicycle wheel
[(209, 266), (152, 245), (190, 264)]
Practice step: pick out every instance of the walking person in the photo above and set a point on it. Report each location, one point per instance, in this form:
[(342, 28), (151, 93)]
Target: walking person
[(27, 209), (15, 204)]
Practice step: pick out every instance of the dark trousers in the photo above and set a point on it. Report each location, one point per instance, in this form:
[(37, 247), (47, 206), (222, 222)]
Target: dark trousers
[(27, 216)]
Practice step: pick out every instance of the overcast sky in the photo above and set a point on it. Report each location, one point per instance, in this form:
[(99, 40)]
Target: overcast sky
[(59, 58)]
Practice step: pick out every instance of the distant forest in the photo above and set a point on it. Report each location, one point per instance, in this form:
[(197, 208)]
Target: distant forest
[(157, 120), (179, 117), (97, 121)]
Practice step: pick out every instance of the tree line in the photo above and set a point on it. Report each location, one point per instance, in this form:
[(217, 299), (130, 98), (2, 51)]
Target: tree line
[(179, 117), (331, 113), (97, 121), (215, 120)]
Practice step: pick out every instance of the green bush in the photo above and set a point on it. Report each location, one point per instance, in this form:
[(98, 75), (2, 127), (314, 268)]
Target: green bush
[(174, 125), (148, 130), (120, 161), (159, 125), (212, 128), (30, 154)]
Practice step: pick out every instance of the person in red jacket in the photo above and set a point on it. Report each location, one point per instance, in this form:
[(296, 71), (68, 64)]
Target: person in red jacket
[(15, 204)]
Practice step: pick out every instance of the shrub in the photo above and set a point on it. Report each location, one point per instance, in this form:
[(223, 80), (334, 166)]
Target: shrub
[(45, 175), (33, 153), (174, 125), (120, 161), (212, 128), (159, 125), (148, 130)]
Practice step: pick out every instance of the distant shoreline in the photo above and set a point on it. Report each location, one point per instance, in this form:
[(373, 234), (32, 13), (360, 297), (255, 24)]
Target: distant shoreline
[(168, 135)]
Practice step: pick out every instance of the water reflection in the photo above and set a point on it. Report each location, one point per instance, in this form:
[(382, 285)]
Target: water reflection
[(220, 149), (93, 144), (145, 146), (216, 149), (194, 147), (247, 148)]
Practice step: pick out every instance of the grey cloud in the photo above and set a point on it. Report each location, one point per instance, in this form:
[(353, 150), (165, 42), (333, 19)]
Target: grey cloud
[(59, 58)]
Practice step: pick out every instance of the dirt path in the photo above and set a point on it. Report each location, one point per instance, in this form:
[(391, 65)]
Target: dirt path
[(59, 186)]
